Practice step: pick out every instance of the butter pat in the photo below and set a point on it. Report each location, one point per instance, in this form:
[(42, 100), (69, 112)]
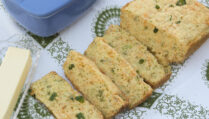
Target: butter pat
[(13, 73)]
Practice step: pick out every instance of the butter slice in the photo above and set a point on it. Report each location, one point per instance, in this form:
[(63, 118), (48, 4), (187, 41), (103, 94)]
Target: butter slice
[(13, 73)]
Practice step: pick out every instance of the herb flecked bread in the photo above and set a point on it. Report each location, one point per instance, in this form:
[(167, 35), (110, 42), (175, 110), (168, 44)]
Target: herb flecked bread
[(145, 64), (96, 87), (62, 100), (171, 29), (120, 71)]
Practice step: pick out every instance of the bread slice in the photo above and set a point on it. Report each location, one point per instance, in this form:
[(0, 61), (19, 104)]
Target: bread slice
[(171, 29), (62, 100), (120, 71), (95, 86), (144, 63)]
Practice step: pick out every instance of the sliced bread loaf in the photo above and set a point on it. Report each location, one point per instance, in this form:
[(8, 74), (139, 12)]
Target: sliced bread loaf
[(120, 71), (95, 86), (62, 100), (144, 63), (171, 29)]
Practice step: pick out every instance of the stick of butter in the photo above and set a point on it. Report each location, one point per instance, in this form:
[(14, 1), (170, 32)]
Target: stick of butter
[(13, 73)]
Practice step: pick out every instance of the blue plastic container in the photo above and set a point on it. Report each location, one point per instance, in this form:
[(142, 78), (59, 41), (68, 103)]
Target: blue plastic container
[(46, 17)]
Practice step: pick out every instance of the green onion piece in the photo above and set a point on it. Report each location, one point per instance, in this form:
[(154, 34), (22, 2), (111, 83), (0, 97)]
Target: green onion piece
[(155, 30), (80, 116), (181, 3), (53, 96), (79, 99), (71, 66), (157, 6)]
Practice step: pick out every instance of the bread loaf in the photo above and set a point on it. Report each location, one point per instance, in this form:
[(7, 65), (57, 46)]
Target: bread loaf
[(171, 29), (144, 63), (96, 87), (120, 71), (62, 100)]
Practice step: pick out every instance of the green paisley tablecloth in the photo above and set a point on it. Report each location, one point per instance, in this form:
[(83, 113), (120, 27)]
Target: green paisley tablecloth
[(184, 96)]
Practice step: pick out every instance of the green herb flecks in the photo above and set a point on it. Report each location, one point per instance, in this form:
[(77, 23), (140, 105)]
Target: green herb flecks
[(100, 95), (101, 60), (171, 5), (80, 99), (178, 22), (110, 44), (137, 71), (125, 48), (72, 98), (137, 78), (157, 6), (141, 61), (155, 30), (181, 3), (48, 93), (171, 18), (124, 53), (80, 116), (113, 71), (136, 18), (48, 86), (53, 96), (71, 66)]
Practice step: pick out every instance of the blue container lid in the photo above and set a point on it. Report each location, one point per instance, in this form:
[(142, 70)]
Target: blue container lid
[(46, 17), (42, 8)]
